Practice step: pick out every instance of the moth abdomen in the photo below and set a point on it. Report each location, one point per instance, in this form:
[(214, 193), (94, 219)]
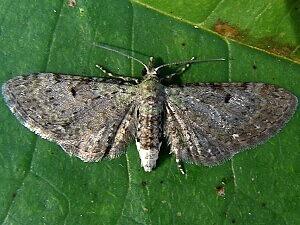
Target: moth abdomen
[(149, 130)]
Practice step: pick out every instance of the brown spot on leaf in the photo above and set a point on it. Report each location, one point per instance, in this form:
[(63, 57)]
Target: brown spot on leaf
[(225, 29), (220, 190), (72, 3), (269, 44)]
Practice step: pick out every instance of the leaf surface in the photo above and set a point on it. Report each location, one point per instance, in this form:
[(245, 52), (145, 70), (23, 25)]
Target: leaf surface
[(42, 185)]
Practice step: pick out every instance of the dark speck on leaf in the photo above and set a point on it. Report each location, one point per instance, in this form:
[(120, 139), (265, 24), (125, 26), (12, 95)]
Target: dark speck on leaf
[(144, 183), (254, 67), (220, 191), (225, 180)]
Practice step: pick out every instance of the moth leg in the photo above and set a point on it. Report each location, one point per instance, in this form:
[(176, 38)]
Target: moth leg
[(179, 165), (117, 76), (179, 71)]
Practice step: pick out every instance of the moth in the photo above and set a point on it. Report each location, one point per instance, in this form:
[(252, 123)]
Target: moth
[(94, 118)]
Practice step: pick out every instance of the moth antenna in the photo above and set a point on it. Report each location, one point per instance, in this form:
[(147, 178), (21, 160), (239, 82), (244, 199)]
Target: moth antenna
[(188, 62), (121, 53)]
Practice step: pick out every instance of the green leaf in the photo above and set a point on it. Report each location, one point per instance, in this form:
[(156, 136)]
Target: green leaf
[(42, 185), (270, 25)]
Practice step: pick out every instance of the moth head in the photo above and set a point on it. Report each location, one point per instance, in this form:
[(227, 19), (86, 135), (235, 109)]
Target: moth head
[(152, 70)]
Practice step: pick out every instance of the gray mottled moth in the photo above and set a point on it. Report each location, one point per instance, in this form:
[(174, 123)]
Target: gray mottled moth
[(94, 118)]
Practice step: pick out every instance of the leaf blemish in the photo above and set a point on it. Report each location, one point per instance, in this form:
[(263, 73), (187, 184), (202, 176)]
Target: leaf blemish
[(72, 3), (144, 183), (225, 29)]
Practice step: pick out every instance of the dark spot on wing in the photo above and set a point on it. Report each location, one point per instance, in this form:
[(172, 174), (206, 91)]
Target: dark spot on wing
[(227, 98), (73, 91)]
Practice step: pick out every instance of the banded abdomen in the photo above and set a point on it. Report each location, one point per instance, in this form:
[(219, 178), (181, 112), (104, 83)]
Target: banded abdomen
[(149, 127)]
